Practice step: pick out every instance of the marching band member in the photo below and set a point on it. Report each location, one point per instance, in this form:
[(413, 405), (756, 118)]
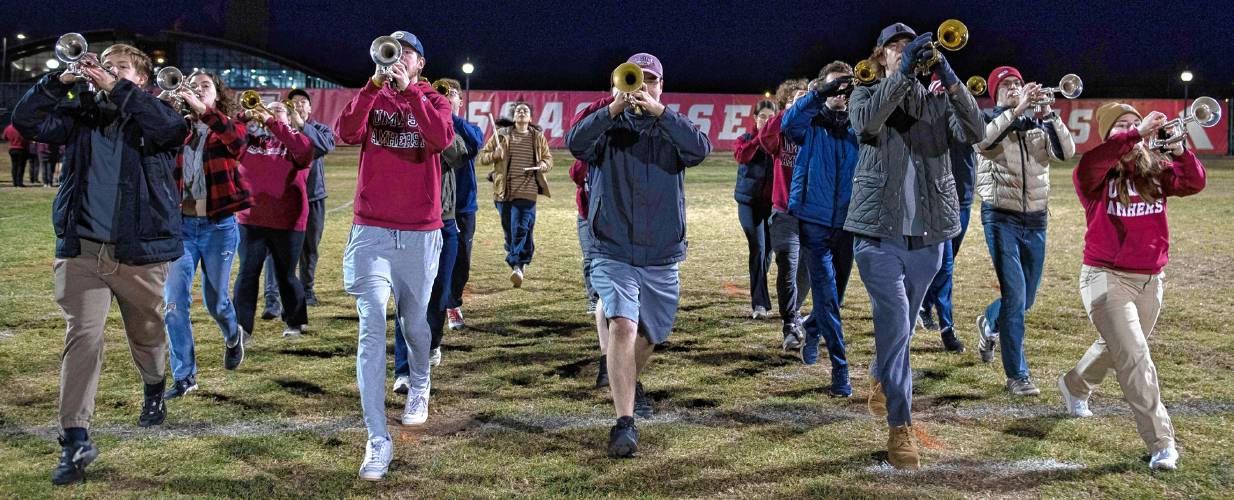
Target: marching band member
[(1013, 181), (819, 198), (520, 157), (1123, 187), (638, 159), (464, 205), (903, 208), (275, 162), (753, 195), (213, 191), (395, 242), (117, 222)]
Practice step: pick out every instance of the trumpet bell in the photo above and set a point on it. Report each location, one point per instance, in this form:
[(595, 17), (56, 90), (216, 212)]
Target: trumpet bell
[(441, 86), (251, 100), (1206, 111), (628, 77), (1071, 86), (169, 78), (864, 72), (952, 35), (385, 50), (71, 47), (976, 85)]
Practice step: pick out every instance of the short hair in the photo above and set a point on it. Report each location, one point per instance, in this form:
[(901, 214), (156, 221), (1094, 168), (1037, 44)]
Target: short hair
[(835, 67), (766, 104), (299, 92), (785, 91), (531, 110), (141, 61), (454, 85)]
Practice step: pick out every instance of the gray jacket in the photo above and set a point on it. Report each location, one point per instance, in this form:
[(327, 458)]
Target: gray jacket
[(322, 139), (897, 119), (454, 156)]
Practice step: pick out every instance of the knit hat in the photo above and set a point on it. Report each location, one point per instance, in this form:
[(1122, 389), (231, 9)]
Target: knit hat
[(1109, 112), (998, 75)]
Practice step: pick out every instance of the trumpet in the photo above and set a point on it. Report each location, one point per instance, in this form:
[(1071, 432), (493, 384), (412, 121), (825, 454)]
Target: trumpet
[(952, 35), (864, 72), (172, 80), (385, 51), (250, 100), (628, 78), (73, 50), (1204, 112), (442, 87), (1070, 86), (976, 85)]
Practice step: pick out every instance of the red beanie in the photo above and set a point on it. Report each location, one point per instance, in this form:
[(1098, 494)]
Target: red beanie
[(998, 75)]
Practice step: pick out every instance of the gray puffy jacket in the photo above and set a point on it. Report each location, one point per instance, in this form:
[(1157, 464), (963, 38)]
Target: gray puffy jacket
[(1014, 168), (897, 118)]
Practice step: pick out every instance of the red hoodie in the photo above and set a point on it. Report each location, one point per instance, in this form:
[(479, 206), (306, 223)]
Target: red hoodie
[(16, 141), (745, 152), (402, 136), (275, 167), (1132, 238), (578, 171), (785, 154)]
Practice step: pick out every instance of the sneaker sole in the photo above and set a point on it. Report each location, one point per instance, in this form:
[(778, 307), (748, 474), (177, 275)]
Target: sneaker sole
[(373, 478), (459, 326), (516, 280), (1067, 398), (622, 450), (413, 423)]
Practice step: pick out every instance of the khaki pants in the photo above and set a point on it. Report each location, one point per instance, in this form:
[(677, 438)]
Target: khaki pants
[(1124, 307), (84, 287)]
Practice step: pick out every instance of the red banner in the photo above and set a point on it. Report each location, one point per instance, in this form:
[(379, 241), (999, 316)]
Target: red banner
[(725, 117)]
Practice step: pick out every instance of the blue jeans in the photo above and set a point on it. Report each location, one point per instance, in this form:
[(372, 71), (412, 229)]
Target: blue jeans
[(938, 297), (754, 219), (214, 247), (518, 221), (829, 257), (1017, 247), (462, 265), (437, 298), (896, 279)]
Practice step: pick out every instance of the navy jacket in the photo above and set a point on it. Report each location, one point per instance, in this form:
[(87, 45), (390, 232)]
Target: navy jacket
[(823, 174), (146, 219), (637, 178), (322, 139), (753, 171), (465, 174)]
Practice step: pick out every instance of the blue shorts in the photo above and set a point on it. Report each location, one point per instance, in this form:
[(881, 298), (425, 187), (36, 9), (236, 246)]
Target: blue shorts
[(645, 295)]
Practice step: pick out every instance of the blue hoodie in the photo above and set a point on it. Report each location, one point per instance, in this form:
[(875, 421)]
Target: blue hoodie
[(823, 174), (465, 175)]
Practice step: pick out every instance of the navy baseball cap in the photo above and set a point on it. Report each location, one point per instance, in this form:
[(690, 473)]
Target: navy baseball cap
[(897, 30), (410, 40)]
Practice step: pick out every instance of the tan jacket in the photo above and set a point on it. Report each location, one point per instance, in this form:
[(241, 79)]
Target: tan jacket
[(1013, 169), (501, 164)]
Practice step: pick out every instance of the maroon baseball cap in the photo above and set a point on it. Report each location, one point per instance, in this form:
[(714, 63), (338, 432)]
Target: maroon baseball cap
[(649, 63)]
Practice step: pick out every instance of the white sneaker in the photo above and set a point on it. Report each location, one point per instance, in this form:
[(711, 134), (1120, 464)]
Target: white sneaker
[(455, 316), (434, 358), (1166, 459), (759, 312), (1077, 407), (377, 457), (416, 411), (402, 384), (293, 331), (516, 276)]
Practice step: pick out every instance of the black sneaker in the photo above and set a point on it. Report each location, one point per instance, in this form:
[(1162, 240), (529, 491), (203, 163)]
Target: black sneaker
[(642, 403), (310, 298), (152, 409), (180, 387), (926, 320), (602, 374), (623, 439), (233, 355), (74, 457), (273, 310), (952, 343)]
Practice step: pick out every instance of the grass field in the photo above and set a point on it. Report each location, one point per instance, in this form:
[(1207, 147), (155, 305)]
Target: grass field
[(513, 412)]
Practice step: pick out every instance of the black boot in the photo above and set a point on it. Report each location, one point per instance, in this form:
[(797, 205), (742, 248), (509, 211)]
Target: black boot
[(602, 375), (74, 457), (152, 410)]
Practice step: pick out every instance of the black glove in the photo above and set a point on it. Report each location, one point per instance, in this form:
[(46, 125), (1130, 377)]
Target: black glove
[(944, 72), (915, 52), (840, 86)]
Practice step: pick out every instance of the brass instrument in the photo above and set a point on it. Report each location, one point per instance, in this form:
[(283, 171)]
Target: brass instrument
[(976, 85), (73, 50), (628, 78), (442, 87), (385, 51), (1205, 112), (952, 35), (250, 100), (1070, 86), (171, 80), (864, 72)]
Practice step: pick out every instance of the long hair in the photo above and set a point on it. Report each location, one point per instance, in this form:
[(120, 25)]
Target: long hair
[(878, 67), (1140, 169), (225, 102)]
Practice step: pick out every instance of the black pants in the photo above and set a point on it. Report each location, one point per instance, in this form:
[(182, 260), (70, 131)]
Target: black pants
[(48, 164), (284, 247), (754, 218), (308, 254), (19, 157)]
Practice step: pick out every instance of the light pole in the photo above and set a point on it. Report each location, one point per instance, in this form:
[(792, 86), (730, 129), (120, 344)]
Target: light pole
[(468, 68), (1186, 77), (4, 56)]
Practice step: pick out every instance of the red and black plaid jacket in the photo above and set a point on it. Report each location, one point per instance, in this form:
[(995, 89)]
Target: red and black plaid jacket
[(226, 191)]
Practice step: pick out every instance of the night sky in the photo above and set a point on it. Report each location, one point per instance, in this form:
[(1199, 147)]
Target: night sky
[(1120, 49)]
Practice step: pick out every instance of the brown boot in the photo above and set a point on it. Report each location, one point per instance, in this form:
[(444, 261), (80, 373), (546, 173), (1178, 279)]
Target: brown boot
[(902, 448), (877, 404)]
